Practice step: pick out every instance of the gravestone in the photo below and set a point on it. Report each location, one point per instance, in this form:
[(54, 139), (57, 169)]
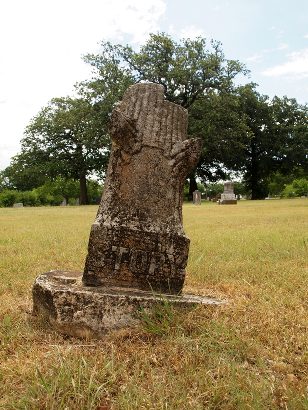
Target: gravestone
[(18, 205), (137, 239), (228, 197), (137, 251), (197, 197), (63, 203)]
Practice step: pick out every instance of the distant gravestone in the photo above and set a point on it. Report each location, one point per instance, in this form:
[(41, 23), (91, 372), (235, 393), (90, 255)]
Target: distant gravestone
[(137, 250), (77, 202), (18, 205), (228, 197), (197, 197), (63, 203)]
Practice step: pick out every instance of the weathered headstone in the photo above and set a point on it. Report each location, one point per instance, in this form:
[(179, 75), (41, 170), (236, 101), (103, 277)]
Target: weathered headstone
[(137, 247), (197, 197), (18, 205), (63, 203), (137, 239), (228, 197)]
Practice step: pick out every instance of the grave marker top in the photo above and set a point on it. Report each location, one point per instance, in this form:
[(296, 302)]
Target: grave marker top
[(228, 187), (228, 197)]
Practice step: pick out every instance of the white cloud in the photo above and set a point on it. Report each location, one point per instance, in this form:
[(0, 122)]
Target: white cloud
[(259, 57), (137, 18), (306, 36), (191, 32), (277, 32), (41, 47), (296, 66), (282, 46), (255, 58)]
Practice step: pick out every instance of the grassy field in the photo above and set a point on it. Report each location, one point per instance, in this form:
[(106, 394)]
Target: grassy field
[(249, 354)]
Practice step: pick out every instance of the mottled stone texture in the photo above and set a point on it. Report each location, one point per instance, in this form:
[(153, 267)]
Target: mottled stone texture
[(197, 197), (228, 196), (137, 239), (83, 311)]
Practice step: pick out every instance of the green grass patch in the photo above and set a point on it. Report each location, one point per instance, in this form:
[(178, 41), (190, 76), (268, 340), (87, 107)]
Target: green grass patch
[(249, 354)]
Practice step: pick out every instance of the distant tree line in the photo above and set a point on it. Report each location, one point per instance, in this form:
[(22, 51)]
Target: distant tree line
[(52, 192), (264, 141)]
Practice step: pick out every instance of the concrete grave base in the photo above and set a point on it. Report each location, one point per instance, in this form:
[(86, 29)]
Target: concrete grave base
[(84, 311), (228, 202)]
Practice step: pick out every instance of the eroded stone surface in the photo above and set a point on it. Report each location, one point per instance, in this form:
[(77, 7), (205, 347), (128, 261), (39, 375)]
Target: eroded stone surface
[(197, 197), (137, 239), (85, 311)]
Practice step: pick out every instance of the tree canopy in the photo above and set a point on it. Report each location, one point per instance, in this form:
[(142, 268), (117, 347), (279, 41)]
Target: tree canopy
[(243, 131), (278, 138), (67, 138), (187, 69), (194, 74)]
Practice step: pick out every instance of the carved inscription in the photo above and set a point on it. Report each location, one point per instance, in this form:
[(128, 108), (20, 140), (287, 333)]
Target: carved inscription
[(138, 260)]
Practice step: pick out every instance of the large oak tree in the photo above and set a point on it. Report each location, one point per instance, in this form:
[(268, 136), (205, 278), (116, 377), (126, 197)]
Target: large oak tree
[(278, 138), (66, 138), (194, 74)]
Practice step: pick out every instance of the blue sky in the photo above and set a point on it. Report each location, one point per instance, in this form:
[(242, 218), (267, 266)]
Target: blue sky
[(269, 36), (42, 41)]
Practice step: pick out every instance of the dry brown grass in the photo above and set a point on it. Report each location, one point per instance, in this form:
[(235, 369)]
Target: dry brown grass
[(251, 353)]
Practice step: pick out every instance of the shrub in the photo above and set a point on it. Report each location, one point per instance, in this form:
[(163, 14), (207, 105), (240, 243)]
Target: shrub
[(288, 191), (55, 199), (299, 187), (8, 197), (43, 196), (28, 198), (95, 190)]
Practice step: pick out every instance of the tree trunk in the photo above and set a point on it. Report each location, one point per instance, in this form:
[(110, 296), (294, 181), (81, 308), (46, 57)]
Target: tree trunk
[(255, 183), (258, 189), (254, 188), (192, 185), (83, 195)]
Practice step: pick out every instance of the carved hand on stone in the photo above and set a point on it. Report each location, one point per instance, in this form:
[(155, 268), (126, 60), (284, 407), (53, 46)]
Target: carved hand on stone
[(123, 131), (145, 118), (185, 155)]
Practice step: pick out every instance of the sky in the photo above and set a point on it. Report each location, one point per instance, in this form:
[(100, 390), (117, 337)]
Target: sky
[(42, 42)]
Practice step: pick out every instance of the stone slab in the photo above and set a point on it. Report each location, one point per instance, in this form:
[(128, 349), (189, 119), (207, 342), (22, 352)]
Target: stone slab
[(228, 202), (86, 311), (228, 197), (197, 197)]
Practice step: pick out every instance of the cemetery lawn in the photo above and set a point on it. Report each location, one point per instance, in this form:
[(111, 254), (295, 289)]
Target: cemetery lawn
[(251, 353)]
